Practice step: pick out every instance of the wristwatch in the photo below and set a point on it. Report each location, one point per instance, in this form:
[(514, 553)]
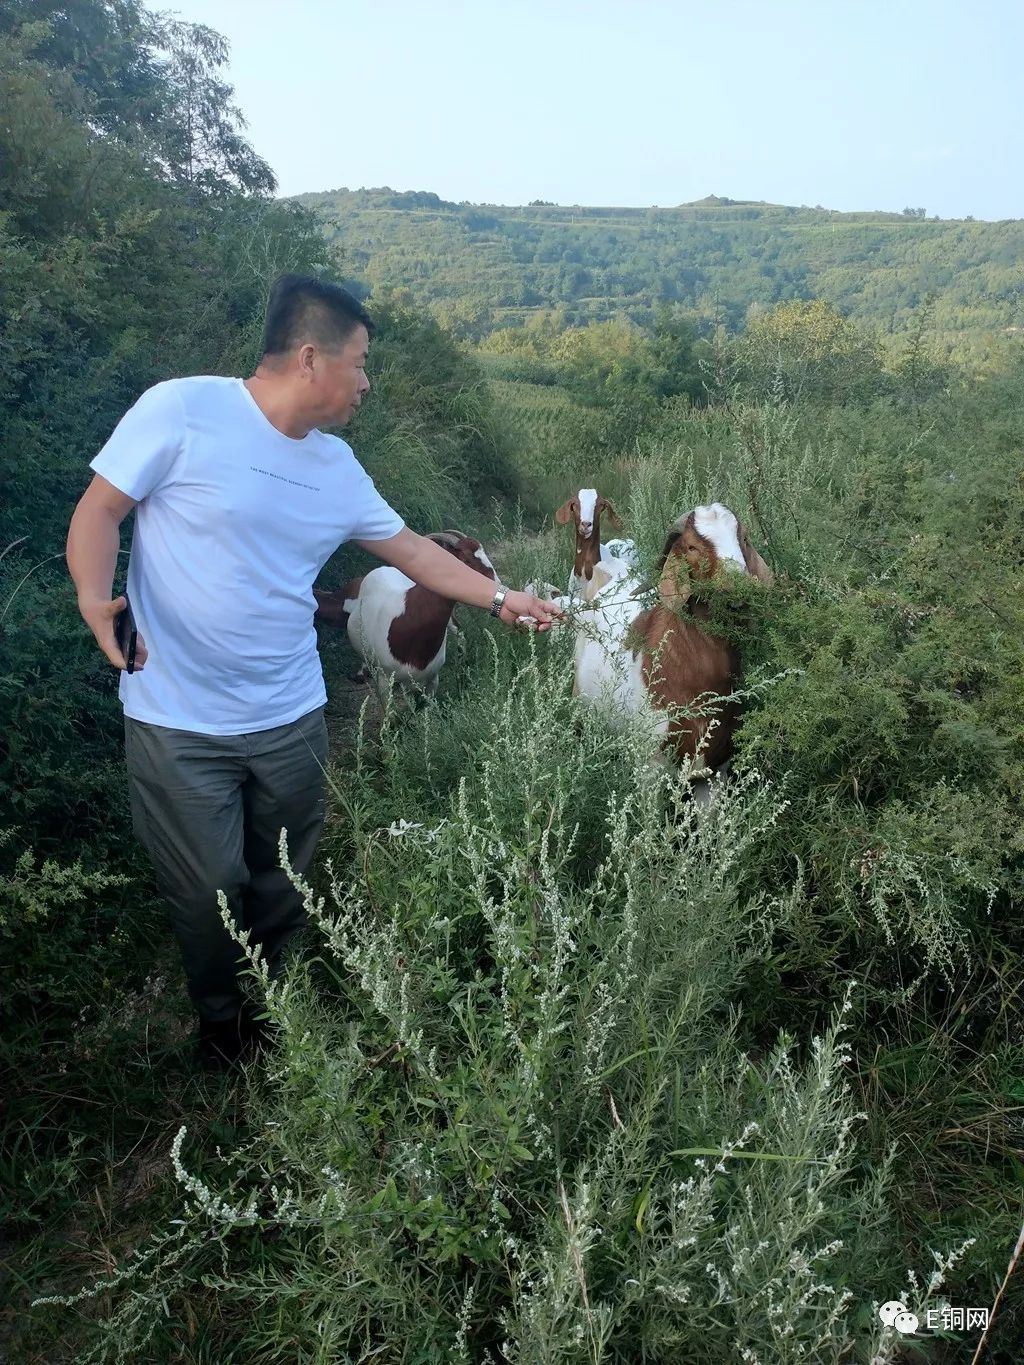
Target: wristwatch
[(499, 600)]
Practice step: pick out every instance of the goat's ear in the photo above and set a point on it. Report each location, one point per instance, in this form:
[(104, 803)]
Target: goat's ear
[(672, 546), (674, 582), (448, 540), (564, 513), (604, 505), (756, 566)]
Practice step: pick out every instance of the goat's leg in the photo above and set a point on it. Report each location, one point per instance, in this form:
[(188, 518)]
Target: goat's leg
[(708, 790)]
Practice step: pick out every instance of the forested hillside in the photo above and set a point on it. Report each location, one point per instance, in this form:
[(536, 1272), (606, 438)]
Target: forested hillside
[(482, 266)]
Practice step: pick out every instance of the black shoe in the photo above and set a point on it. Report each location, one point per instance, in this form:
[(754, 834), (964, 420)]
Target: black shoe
[(221, 1043), (258, 1035)]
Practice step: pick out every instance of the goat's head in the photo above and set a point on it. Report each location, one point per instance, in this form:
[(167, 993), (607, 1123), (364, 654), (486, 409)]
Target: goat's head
[(586, 508), (704, 541), (466, 549)]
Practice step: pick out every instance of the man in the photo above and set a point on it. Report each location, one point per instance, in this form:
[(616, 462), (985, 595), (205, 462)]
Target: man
[(241, 499)]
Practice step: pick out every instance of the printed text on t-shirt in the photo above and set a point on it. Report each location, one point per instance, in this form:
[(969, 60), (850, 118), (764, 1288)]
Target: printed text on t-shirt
[(313, 488)]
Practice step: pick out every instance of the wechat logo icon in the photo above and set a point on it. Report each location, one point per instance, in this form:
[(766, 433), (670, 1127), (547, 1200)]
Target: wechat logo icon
[(898, 1315)]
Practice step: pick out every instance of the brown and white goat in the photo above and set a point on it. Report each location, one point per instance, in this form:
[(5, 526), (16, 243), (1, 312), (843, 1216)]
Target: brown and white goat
[(585, 509), (396, 626), (662, 657)]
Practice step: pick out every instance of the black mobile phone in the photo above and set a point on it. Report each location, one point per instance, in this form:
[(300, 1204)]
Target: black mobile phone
[(126, 634)]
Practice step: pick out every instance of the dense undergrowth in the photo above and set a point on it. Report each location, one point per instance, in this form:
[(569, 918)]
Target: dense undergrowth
[(575, 1070), (571, 1070)]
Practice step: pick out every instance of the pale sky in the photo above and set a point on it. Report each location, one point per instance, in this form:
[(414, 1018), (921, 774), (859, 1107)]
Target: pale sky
[(852, 104)]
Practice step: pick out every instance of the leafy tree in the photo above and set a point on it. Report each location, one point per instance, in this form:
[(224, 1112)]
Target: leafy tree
[(674, 353), (200, 134), (106, 52), (810, 348), (605, 360), (148, 82)]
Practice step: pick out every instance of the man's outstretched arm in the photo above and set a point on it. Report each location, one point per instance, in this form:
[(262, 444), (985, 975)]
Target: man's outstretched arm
[(427, 563)]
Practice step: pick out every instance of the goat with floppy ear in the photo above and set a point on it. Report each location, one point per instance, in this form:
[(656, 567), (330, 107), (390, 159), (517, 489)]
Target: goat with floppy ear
[(706, 538), (585, 509), (664, 656), (682, 662)]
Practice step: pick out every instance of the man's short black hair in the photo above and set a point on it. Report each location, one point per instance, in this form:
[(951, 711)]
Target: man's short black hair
[(302, 308)]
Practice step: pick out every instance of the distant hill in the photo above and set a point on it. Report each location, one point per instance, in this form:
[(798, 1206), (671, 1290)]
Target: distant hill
[(487, 265)]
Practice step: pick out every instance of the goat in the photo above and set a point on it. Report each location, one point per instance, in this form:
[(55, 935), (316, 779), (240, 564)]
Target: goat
[(620, 548), (395, 625), (604, 671), (538, 587), (585, 509), (661, 656)]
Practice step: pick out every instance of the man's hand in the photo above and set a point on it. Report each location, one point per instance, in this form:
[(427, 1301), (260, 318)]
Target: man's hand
[(100, 616), (420, 559), (93, 540), (533, 612)]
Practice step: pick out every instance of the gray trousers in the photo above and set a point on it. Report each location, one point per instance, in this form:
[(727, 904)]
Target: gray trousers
[(209, 810)]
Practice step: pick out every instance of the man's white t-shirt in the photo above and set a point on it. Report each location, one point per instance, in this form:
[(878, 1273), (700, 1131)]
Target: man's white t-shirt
[(234, 522)]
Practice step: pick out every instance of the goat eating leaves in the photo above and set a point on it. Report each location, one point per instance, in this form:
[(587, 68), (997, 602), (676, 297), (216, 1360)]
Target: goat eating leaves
[(663, 657)]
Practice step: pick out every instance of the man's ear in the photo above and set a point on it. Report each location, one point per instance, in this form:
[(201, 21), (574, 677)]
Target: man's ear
[(566, 512), (305, 359), (605, 505)]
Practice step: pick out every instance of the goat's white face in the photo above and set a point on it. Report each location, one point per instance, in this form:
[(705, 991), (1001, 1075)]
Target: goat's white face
[(719, 526), (585, 510), (587, 498), (481, 554)]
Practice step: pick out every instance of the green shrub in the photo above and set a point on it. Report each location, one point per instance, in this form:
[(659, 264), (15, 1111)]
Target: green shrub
[(529, 1128)]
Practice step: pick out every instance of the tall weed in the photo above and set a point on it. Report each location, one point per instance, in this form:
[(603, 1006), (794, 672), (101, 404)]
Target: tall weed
[(513, 1120)]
